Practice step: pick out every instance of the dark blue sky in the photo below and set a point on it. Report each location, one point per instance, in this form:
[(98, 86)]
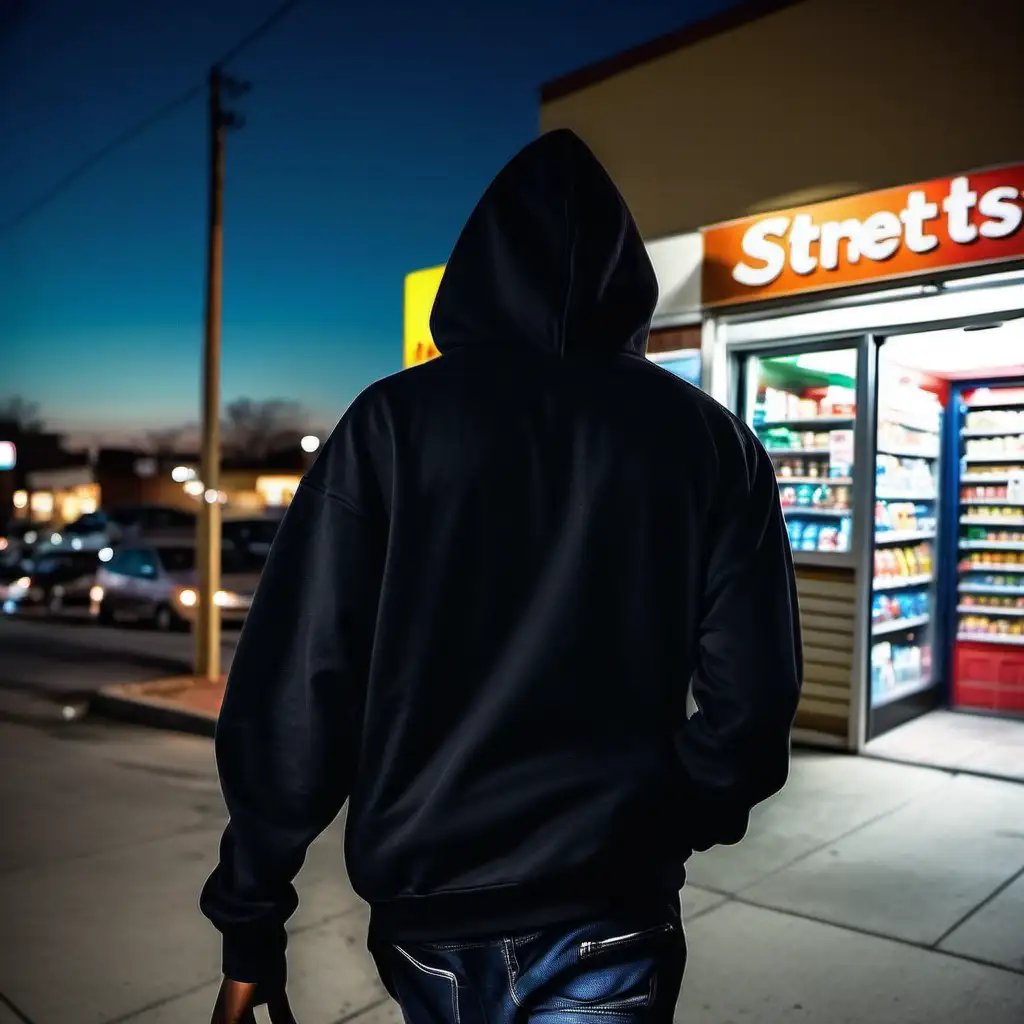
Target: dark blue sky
[(372, 128)]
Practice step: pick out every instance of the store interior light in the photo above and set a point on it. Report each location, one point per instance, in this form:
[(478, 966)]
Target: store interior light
[(842, 361), (957, 353)]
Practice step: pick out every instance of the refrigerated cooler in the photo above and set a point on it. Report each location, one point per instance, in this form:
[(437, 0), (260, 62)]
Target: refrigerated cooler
[(803, 408), (988, 661)]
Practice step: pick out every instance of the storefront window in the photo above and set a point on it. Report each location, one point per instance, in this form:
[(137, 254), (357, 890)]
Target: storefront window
[(803, 408)]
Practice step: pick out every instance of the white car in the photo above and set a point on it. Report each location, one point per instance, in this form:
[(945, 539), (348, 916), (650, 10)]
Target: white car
[(157, 582)]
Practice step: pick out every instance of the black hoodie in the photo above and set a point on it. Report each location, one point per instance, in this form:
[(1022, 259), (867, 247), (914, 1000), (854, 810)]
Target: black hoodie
[(483, 609)]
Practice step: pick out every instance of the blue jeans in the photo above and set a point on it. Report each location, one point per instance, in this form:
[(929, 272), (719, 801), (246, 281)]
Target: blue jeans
[(613, 971)]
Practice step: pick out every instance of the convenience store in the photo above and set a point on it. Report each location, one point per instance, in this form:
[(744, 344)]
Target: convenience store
[(876, 345)]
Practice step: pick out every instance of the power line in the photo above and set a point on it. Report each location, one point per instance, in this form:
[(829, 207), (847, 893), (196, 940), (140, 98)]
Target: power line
[(62, 184)]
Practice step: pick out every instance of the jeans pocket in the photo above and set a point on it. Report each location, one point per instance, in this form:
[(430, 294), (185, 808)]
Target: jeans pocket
[(434, 990)]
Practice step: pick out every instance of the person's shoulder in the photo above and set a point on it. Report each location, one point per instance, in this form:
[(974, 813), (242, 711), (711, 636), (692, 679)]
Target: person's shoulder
[(720, 421)]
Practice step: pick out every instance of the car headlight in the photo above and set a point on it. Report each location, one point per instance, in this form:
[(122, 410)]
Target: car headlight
[(96, 594), (188, 597), (22, 584), (223, 598)]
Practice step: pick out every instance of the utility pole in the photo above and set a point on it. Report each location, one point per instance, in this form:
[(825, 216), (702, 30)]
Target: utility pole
[(208, 546)]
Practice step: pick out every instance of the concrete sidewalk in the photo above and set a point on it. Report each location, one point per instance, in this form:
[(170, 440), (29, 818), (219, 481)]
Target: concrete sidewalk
[(865, 892)]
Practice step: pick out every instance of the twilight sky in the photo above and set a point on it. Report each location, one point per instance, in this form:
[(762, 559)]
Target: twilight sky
[(372, 128)]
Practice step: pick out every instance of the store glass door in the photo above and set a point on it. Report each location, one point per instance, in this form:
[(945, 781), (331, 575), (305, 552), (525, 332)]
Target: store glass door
[(905, 621)]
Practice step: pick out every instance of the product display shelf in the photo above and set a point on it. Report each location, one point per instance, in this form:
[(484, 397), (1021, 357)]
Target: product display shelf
[(904, 582), (991, 638), (989, 502), (906, 527), (886, 537), (992, 545), (884, 628), (993, 588), (832, 481), (988, 478), (996, 521), (1009, 612), (805, 418), (904, 688), (1002, 568), (990, 596), (808, 423)]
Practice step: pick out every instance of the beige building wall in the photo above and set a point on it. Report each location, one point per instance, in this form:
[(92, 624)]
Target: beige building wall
[(818, 99)]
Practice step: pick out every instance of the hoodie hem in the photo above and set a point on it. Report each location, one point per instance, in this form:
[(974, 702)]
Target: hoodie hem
[(507, 909)]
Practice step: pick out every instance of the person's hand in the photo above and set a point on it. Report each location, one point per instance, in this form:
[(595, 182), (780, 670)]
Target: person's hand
[(235, 1003)]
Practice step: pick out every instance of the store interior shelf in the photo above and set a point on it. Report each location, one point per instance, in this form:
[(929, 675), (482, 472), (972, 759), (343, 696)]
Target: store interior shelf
[(992, 613), (822, 453), (998, 567), (994, 502), (911, 496), (985, 478), (904, 689), (811, 510), (899, 625), (991, 432), (829, 422), (992, 545), (991, 638), (907, 453), (901, 582), (907, 422), (904, 536), (987, 406), (994, 460), (817, 481), (993, 588), (991, 521)]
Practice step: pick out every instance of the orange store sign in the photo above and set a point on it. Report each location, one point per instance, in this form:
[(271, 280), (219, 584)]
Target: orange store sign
[(949, 222)]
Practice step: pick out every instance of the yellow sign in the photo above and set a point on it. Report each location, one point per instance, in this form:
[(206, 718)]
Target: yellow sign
[(420, 290)]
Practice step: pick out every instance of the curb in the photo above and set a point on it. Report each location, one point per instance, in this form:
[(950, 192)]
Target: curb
[(120, 704)]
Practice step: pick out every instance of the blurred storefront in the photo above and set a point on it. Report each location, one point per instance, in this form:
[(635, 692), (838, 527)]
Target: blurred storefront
[(122, 478), (871, 331)]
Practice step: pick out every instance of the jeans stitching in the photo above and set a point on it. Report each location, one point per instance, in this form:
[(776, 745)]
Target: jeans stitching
[(511, 976), (437, 972)]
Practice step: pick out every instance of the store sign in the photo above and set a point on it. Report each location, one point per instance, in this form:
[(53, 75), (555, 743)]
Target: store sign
[(8, 455), (420, 292), (935, 225)]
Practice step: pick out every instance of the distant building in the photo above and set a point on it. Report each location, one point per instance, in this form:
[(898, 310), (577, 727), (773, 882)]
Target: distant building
[(114, 477)]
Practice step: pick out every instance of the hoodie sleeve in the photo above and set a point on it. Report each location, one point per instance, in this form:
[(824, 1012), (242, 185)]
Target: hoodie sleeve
[(287, 736), (735, 749)]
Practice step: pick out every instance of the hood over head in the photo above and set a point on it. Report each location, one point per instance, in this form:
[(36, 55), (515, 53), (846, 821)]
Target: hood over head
[(550, 259)]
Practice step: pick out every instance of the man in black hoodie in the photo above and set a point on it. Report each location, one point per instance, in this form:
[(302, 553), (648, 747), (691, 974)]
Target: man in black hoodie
[(478, 625)]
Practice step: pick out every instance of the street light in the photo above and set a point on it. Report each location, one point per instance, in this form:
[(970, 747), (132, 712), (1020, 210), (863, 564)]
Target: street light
[(310, 443)]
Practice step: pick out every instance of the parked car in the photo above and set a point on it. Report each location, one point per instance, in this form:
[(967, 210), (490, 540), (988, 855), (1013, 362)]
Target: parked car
[(19, 540), (106, 528), (157, 582), (55, 583)]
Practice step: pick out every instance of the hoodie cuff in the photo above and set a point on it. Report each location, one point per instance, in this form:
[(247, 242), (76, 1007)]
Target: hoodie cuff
[(255, 957)]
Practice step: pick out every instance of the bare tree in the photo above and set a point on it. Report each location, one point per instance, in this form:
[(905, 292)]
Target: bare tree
[(17, 409), (165, 440), (254, 429)]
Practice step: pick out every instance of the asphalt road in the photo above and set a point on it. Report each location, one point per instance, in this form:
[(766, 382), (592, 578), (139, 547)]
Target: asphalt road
[(44, 660)]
